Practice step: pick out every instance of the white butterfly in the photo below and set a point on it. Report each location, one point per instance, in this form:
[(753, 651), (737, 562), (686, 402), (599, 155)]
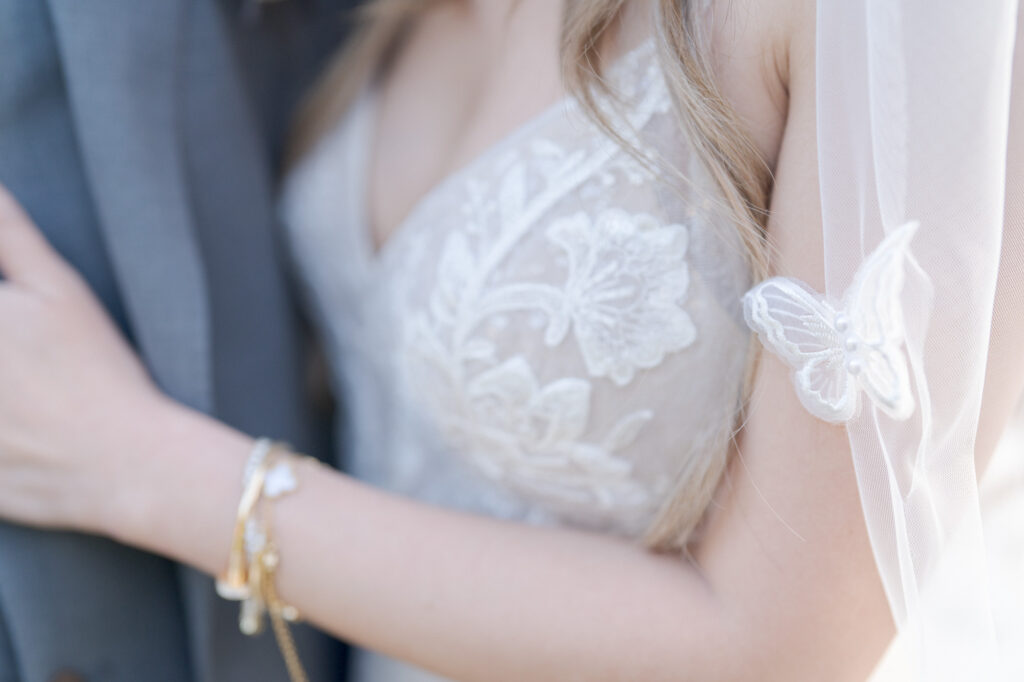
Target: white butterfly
[(836, 353)]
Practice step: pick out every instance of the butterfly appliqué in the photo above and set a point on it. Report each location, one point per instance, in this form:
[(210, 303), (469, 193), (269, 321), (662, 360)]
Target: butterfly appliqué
[(838, 351)]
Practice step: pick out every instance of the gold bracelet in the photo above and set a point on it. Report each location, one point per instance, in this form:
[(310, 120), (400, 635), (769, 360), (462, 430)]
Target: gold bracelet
[(270, 473), (233, 584)]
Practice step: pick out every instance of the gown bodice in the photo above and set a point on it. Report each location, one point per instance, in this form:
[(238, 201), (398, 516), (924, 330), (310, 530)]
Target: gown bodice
[(553, 335)]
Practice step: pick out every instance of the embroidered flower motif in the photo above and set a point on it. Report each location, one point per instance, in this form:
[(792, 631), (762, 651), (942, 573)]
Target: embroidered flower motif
[(533, 435), (614, 280), (627, 277)]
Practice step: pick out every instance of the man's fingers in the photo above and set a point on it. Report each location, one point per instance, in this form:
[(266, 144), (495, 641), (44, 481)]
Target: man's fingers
[(26, 258)]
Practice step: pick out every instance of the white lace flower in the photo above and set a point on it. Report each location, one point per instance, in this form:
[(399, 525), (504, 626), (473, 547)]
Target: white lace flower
[(532, 436), (623, 298)]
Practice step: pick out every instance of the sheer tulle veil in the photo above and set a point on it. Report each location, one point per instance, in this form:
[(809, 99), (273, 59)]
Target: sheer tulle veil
[(913, 103)]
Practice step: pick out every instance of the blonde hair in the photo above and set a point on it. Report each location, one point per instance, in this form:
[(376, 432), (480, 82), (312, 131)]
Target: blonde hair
[(711, 125)]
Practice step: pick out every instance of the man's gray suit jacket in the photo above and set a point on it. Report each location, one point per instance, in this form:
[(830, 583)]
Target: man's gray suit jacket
[(140, 134)]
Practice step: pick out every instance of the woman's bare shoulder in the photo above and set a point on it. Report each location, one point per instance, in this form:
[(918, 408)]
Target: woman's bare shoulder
[(759, 48)]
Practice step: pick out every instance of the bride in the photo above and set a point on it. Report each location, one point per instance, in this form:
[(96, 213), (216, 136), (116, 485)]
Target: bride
[(525, 231)]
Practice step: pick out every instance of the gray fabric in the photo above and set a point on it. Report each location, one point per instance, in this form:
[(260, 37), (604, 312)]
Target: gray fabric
[(39, 160), (230, 189), (126, 132), (77, 603), (67, 601), (8, 663), (134, 164)]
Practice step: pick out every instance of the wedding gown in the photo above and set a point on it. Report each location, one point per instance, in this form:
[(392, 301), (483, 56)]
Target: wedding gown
[(554, 334)]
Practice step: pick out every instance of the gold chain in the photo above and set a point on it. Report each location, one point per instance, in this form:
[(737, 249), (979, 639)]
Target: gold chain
[(285, 641)]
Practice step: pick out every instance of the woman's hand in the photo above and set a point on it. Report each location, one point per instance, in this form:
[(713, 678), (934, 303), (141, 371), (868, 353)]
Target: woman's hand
[(75, 401)]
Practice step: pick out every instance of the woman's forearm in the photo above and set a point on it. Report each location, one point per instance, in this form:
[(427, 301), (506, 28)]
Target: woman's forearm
[(469, 597)]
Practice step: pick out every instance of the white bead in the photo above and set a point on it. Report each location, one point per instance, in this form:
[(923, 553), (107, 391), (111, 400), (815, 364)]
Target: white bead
[(280, 480), (259, 452), (854, 366)]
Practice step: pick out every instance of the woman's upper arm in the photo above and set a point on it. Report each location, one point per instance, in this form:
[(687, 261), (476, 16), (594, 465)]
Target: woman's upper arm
[(786, 548)]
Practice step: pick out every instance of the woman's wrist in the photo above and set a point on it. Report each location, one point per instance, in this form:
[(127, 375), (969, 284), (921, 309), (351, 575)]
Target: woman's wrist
[(178, 486)]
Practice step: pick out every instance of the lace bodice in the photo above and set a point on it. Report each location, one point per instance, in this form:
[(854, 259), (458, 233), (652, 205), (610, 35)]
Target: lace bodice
[(555, 332)]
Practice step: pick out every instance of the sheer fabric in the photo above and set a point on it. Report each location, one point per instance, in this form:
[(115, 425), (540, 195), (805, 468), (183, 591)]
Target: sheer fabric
[(918, 132), (912, 110)]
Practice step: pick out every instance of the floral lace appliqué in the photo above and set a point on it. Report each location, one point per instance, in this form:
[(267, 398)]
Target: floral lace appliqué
[(535, 435), (627, 277), (614, 307), (622, 302)]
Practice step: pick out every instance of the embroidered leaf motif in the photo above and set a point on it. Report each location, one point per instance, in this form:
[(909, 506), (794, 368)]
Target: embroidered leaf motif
[(627, 430)]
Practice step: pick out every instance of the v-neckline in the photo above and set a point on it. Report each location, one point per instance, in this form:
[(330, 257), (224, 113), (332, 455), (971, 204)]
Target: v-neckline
[(365, 133)]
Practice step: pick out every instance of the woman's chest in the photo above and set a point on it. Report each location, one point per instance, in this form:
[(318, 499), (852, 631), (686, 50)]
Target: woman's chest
[(459, 82), (564, 318)]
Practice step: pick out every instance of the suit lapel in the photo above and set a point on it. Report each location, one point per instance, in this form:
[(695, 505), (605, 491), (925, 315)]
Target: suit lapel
[(121, 63)]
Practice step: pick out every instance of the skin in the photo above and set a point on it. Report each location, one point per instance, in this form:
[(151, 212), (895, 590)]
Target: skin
[(782, 585)]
